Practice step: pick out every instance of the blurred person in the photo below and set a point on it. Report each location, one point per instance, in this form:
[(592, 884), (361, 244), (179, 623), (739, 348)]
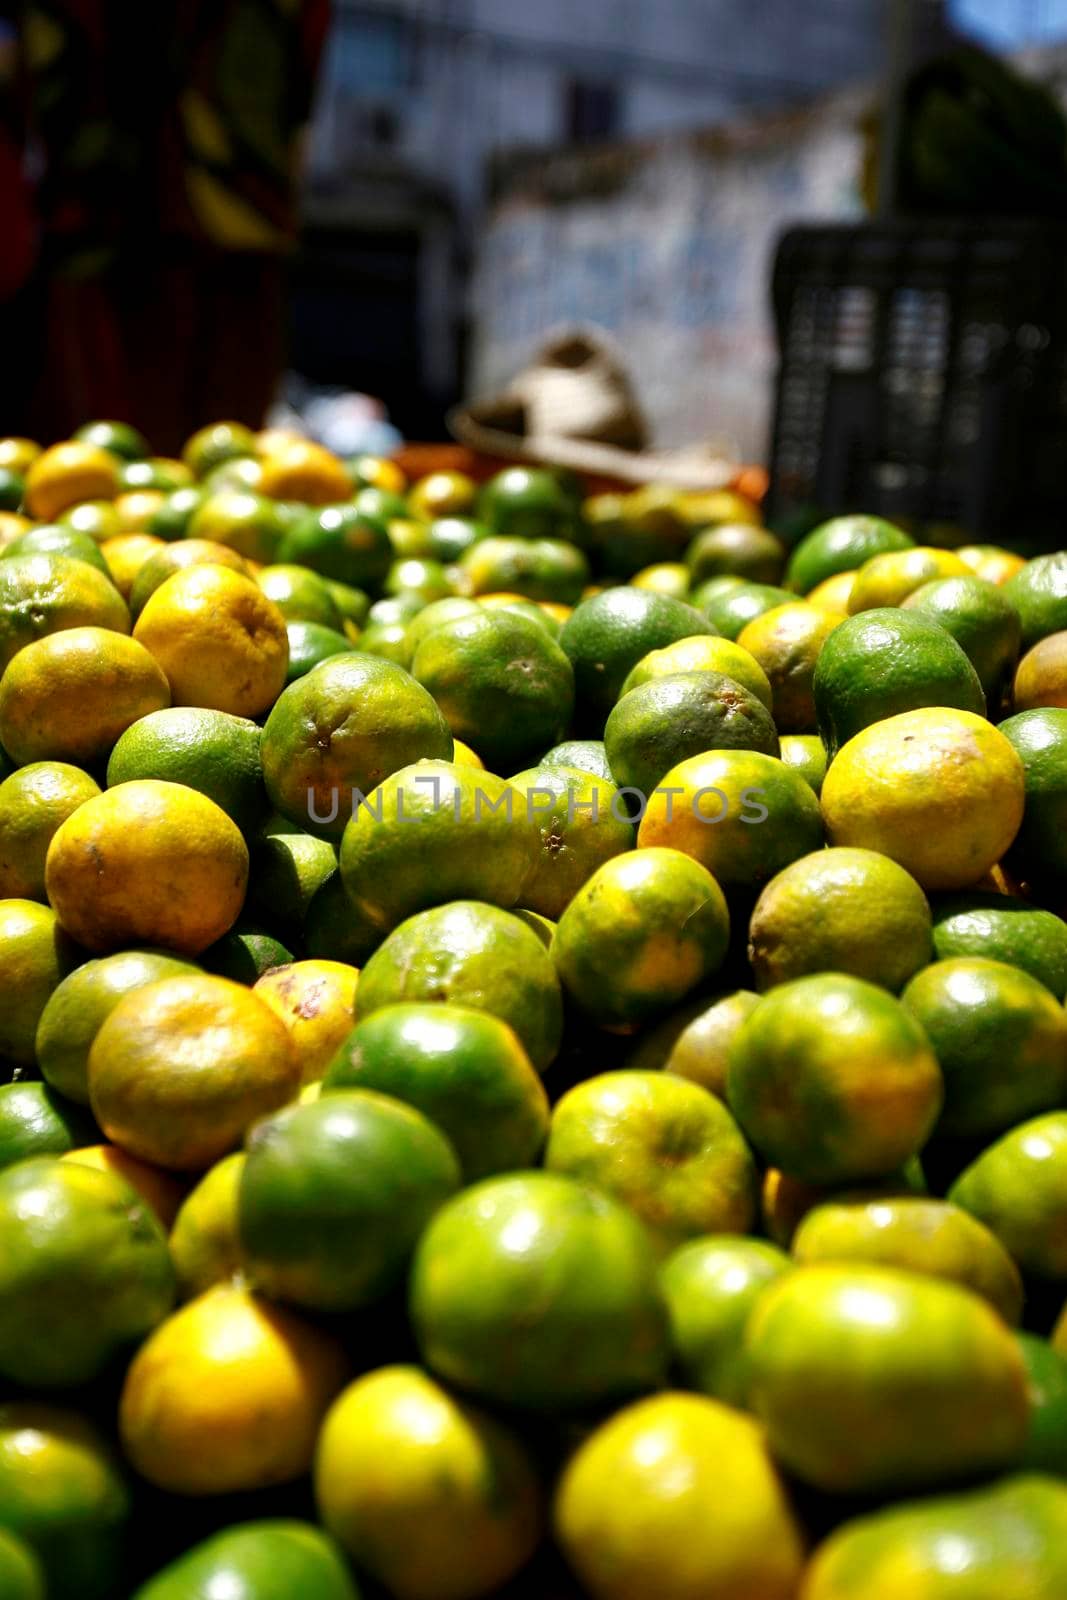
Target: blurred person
[(169, 136)]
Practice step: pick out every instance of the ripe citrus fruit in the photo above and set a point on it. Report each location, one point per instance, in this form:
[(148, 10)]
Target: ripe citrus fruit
[(125, 554), (289, 866), (66, 473), (316, 1002), (1046, 1370), (1039, 851), (787, 642), (472, 955), (257, 1561), (742, 814), (159, 1190), (502, 683), (587, 755), (738, 549), (44, 594), (872, 1380), (533, 569), (1000, 1039), (840, 910), (668, 720), (678, 1496), (885, 662), (463, 1069), (833, 1080), (210, 751), (57, 540), (644, 930), (1017, 1186), (341, 542), (991, 1540), (730, 605), (1042, 676), (299, 469), (806, 754), (181, 1067), (534, 1290), (218, 442), (983, 622), (609, 634), (147, 863), (702, 653), (220, 641), (34, 801), (310, 643), (666, 1149), (889, 578), (832, 594), (241, 520), (228, 1394), (442, 494), (63, 1493), (841, 545), (21, 1573), (435, 832), (35, 954), (580, 822), (320, 755), (36, 1122), (70, 696), (917, 1234), (694, 1041), (939, 791), (74, 1236), (176, 558), (334, 1195), (1038, 591), (711, 1286), (1003, 928), (427, 1494), (204, 1243), (76, 1009)]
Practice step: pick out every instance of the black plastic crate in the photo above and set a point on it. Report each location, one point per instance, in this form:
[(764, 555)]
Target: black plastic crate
[(923, 376)]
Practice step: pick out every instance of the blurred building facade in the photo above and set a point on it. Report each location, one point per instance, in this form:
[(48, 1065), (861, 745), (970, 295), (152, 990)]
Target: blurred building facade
[(419, 97)]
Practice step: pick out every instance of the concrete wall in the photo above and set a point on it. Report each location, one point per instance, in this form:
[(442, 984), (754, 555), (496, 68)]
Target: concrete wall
[(667, 245)]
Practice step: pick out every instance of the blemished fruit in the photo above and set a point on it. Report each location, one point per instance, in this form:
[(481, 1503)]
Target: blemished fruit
[(316, 1002), (465, 1070), (318, 758), (45, 594), (431, 1496), (664, 722), (257, 1561), (941, 792), (182, 1067), (75, 1236), (471, 955), (644, 930), (1001, 1536), (334, 1195), (533, 1290), (840, 910), (228, 1394), (666, 1149), (833, 1080), (872, 1380), (580, 823), (677, 1496)]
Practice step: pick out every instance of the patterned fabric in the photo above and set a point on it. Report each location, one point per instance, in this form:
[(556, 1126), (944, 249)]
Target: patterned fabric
[(168, 118)]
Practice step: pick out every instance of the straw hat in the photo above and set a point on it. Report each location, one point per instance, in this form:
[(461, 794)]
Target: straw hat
[(574, 406)]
